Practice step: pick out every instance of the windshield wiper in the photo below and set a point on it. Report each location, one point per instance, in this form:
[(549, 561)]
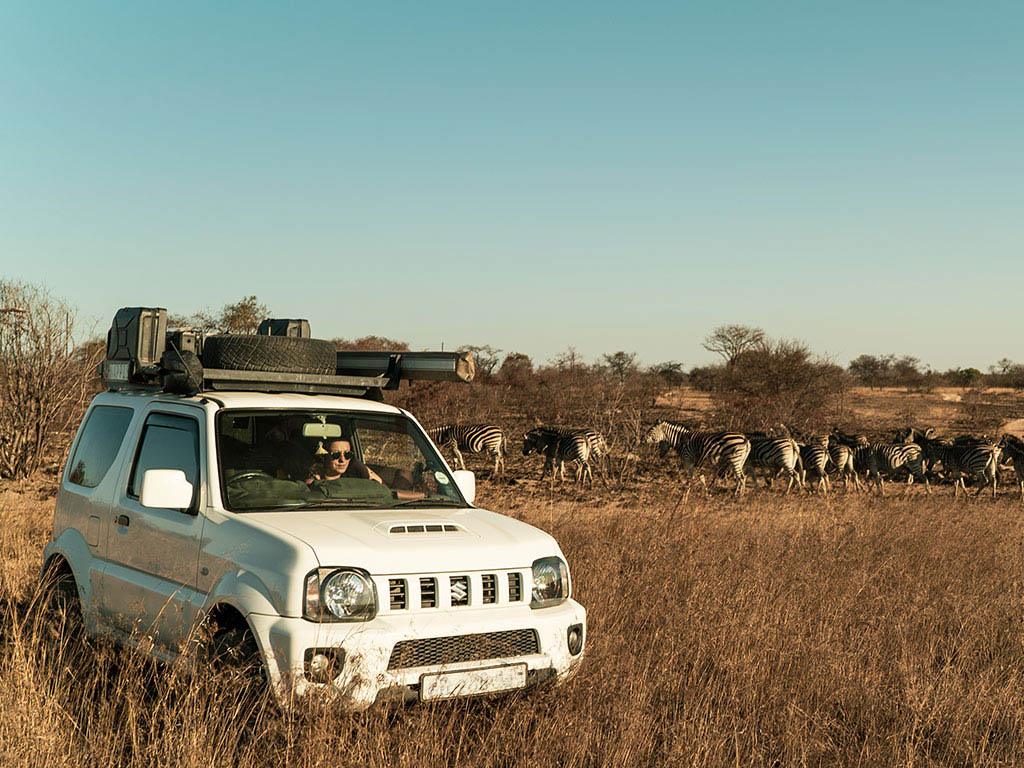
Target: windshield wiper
[(427, 503), (325, 504)]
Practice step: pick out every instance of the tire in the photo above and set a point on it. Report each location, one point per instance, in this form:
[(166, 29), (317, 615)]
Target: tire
[(280, 354), (235, 654), (62, 608), (236, 649)]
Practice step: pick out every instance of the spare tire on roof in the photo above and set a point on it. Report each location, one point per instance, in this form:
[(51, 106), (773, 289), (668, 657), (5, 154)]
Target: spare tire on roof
[(281, 354)]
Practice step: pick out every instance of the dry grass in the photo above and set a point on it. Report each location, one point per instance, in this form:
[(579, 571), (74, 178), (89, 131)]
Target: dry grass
[(853, 631)]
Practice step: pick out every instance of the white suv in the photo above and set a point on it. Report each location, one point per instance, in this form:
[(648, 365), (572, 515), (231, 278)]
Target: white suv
[(222, 517)]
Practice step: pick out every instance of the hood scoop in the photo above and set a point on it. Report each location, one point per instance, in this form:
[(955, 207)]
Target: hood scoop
[(413, 529)]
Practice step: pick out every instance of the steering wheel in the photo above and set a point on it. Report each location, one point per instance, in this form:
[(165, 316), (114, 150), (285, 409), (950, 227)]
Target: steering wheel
[(253, 473)]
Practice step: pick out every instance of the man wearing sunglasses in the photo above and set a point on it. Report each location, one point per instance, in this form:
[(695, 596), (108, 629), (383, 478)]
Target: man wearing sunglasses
[(338, 461)]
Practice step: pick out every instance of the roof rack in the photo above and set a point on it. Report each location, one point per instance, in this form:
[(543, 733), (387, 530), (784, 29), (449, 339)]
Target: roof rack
[(142, 354)]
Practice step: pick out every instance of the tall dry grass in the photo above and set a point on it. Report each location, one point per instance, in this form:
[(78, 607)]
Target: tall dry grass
[(850, 631)]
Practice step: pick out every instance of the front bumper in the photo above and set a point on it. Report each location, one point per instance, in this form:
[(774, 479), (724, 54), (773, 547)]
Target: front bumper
[(365, 677)]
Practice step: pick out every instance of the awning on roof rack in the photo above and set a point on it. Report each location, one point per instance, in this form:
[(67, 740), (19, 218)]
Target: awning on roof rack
[(311, 383)]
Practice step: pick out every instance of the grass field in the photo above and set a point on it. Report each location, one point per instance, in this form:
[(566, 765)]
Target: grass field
[(766, 631)]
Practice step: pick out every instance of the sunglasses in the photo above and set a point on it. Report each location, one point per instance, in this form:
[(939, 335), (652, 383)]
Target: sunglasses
[(335, 455)]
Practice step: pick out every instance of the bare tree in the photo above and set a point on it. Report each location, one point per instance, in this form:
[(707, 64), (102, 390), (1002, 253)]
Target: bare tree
[(731, 341), (779, 383), (621, 364), (570, 360), (44, 377), (244, 316)]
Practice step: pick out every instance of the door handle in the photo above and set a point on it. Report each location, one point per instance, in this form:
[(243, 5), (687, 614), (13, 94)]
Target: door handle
[(122, 520)]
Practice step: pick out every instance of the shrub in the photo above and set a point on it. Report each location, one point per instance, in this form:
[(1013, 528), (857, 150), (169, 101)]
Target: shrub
[(779, 383)]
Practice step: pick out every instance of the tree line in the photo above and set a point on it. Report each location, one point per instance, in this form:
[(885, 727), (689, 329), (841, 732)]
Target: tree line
[(48, 375)]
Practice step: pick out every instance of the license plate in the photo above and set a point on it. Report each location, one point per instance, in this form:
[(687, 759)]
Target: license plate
[(472, 682)]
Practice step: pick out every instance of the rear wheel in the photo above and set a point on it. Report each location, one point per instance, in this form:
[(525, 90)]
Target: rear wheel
[(62, 607)]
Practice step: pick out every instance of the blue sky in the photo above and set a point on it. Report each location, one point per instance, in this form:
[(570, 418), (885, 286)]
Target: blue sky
[(529, 175)]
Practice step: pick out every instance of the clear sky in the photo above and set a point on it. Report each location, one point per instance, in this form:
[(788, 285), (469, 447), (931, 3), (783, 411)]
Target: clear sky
[(529, 175)]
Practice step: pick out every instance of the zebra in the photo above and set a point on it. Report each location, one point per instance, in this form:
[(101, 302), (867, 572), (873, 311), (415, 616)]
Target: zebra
[(964, 457), (1013, 449), (777, 455), (559, 446), (840, 451), (472, 438), (598, 445), (876, 458), (667, 434), (931, 445), (725, 451), (814, 456), (975, 459)]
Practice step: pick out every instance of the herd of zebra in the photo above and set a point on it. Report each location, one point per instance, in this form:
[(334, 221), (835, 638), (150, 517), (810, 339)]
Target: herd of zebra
[(803, 460)]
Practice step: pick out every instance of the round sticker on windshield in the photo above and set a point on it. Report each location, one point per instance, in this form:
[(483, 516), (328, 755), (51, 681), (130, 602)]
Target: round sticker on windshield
[(442, 478)]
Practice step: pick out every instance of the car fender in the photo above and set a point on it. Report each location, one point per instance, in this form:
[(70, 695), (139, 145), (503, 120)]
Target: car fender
[(71, 546), (244, 591)]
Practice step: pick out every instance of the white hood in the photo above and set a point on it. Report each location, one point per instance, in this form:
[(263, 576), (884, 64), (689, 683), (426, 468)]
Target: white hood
[(371, 539)]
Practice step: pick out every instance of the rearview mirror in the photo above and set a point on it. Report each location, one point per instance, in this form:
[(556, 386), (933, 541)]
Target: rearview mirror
[(321, 430), (466, 481), (166, 489)]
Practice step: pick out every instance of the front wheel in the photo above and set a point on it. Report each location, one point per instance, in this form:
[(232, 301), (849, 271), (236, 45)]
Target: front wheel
[(233, 652)]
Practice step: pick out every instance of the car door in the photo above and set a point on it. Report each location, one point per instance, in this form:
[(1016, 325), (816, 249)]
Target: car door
[(89, 487), (149, 582)]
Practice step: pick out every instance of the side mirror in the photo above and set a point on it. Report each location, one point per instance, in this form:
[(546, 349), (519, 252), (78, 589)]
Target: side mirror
[(466, 481), (166, 489)]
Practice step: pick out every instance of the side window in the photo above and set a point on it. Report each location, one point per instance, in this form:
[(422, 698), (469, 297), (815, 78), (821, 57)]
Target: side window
[(168, 442), (388, 447), (101, 439)]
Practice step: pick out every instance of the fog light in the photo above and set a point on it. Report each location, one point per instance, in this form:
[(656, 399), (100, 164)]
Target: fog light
[(324, 664), (574, 637)]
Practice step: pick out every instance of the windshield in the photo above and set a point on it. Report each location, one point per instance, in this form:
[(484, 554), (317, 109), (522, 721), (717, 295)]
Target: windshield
[(273, 460)]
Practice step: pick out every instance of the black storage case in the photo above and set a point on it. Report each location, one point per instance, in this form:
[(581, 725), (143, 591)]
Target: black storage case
[(274, 326), (186, 340)]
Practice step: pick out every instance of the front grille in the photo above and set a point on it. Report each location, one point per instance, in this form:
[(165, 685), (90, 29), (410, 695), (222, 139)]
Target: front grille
[(460, 590), (515, 587), (428, 593), (398, 595), (433, 651), (490, 588)]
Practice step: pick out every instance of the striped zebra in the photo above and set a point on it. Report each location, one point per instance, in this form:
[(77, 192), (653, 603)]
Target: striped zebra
[(1013, 449), (931, 445), (814, 456), (558, 446), (840, 450), (472, 438), (777, 456), (874, 459), (723, 451), (963, 457), (599, 450)]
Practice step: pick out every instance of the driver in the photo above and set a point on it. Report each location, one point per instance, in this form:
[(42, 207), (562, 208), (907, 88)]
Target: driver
[(337, 460)]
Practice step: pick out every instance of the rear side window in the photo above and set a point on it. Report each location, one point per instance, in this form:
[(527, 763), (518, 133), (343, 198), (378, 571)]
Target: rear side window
[(168, 442), (101, 439)]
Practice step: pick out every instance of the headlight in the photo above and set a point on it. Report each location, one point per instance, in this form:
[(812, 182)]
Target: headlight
[(550, 582), (339, 594)]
